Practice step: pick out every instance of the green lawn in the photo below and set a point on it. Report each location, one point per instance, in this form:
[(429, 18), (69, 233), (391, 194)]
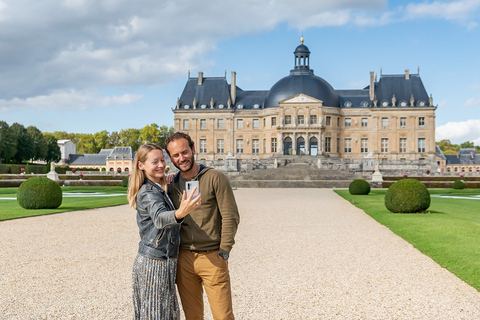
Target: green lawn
[(449, 231), (91, 198)]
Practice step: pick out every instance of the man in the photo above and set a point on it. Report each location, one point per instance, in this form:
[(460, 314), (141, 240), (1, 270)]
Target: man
[(207, 234)]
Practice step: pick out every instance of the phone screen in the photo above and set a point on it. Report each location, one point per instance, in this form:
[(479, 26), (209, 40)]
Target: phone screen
[(189, 187)]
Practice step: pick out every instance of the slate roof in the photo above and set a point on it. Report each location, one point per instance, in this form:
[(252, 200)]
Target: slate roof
[(464, 157), (302, 80), (87, 159), (124, 153)]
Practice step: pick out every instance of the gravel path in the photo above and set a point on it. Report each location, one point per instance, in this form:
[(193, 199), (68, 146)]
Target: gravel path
[(300, 254)]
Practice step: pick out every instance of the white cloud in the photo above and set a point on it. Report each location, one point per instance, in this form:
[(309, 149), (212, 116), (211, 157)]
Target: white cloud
[(69, 99), (89, 45), (459, 131), (473, 102), (452, 10)]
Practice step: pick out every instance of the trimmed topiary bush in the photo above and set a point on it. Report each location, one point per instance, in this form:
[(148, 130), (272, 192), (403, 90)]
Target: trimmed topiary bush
[(407, 196), (39, 193), (359, 186), (458, 184), (125, 182)]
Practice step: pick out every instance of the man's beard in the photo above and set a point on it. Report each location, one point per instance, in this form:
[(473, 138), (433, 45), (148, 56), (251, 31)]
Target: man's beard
[(187, 169)]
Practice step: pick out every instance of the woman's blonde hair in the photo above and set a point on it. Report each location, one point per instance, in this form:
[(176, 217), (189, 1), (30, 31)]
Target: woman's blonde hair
[(138, 176)]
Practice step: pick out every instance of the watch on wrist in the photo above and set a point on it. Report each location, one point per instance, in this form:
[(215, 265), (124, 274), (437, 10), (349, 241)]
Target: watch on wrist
[(224, 256)]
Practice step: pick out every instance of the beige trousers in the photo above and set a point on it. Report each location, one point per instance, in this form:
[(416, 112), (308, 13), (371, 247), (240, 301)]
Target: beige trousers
[(209, 269)]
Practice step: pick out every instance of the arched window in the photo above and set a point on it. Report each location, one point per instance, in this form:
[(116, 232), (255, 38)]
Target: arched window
[(313, 146), (287, 146), (300, 146)]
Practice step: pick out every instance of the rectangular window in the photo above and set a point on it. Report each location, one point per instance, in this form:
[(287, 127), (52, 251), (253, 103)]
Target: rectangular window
[(264, 122), (348, 145), (328, 120), (403, 145), (239, 145), (421, 145), (274, 121), (203, 145), (288, 119), (384, 146), (364, 145), (338, 144), (364, 122), (348, 122), (384, 122), (256, 123), (328, 144), (264, 145), (301, 119), (403, 122), (255, 146), (338, 124), (421, 121), (274, 144), (186, 124), (220, 146), (313, 119), (220, 124), (239, 123), (203, 123)]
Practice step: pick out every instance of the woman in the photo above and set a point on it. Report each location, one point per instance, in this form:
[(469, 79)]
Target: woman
[(154, 269)]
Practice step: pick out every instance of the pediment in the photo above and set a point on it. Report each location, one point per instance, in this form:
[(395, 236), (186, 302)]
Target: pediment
[(301, 98)]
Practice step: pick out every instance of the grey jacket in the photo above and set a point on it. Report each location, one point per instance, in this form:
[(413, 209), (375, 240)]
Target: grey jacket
[(158, 227)]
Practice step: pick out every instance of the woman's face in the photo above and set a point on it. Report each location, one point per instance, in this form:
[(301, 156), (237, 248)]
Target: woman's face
[(154, 166)]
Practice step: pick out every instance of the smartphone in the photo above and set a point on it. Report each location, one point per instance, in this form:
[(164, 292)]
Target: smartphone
[(189, 187)]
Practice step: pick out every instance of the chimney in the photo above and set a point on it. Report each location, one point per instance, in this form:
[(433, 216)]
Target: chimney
[(233, 87), (407, 74), (372, 85), (200, 78)]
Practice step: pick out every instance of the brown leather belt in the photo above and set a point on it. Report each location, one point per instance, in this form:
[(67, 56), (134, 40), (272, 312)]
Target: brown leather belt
[(199, 251)]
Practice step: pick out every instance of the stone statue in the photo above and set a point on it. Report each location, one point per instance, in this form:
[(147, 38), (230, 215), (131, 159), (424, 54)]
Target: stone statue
[(320, 121)]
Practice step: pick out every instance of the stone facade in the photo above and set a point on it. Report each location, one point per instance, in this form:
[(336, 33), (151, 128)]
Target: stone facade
[(391, 122)]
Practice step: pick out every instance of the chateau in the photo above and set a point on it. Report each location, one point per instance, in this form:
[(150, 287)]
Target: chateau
[(391, 121)]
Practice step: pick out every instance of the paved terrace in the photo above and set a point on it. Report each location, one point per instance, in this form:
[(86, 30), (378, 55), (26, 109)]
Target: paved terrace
[(300, 254)]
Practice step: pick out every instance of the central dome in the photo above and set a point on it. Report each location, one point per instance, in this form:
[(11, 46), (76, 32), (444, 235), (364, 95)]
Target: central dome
[(302, 80)]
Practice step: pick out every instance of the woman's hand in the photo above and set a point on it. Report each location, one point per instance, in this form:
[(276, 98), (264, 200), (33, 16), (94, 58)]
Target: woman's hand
[(188, 204), (169, 178)]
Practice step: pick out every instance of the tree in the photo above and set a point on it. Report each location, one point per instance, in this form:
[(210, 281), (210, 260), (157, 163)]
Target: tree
[(101, 140), (130, 137), (8, 142), (53, 150), (39, 144), (24, 143), (113, 139), (150, 134), (164, 133), (467, 145)]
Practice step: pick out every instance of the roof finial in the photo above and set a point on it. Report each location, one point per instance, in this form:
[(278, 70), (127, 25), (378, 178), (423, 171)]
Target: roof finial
[(301, 39)]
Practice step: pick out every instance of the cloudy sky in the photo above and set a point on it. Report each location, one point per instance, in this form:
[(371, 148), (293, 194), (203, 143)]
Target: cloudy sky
[(92, 65)]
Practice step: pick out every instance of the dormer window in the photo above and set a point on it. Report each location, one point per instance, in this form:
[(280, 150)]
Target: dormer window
[(256, 105), (240, 106), (186, 106), (203, 106)]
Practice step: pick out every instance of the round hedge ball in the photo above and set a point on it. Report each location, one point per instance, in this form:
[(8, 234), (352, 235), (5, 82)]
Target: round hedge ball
[(458, 184), (359, 186), (39, 193), (407, 196)]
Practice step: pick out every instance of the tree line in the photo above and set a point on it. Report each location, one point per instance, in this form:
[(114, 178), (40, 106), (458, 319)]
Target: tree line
[(449, 148), (19, 144), (94, 142)]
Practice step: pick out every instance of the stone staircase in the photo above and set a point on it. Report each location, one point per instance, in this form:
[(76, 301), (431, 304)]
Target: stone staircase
[(295, 175)]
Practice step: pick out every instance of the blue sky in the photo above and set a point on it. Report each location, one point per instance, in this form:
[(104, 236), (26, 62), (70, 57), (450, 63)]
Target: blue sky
[(85, 66)]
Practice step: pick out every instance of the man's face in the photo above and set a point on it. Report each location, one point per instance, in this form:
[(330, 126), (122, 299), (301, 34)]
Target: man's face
[(181, 154)]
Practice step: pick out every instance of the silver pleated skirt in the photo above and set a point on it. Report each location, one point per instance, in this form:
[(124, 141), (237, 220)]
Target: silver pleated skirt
[(154, 294)]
